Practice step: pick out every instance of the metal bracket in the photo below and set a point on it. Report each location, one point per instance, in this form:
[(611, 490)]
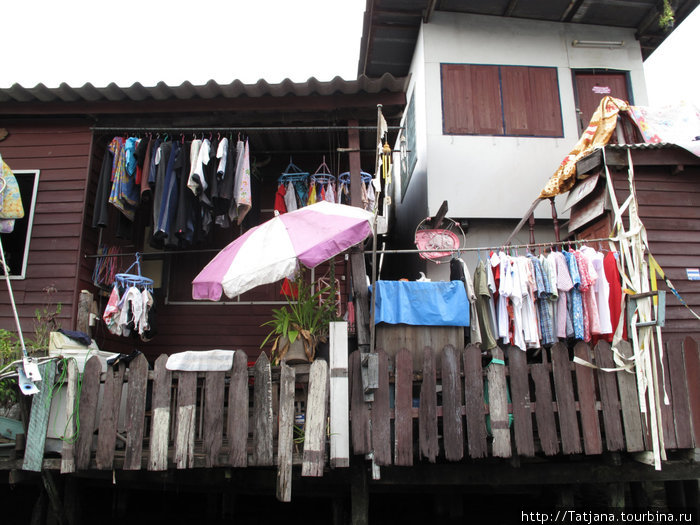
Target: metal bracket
[(660, 320), (370, 374)]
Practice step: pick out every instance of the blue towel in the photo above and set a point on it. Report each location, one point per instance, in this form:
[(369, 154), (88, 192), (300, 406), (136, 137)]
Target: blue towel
[(421, 303)]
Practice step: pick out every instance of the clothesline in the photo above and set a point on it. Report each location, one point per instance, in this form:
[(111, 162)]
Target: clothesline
[(114, 129), (157, 255), (500, 247)]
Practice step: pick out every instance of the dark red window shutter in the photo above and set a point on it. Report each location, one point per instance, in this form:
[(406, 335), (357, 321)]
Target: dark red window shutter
[(488, 114), (531, 101), (544, 105), (516, 95), (471, 100), (498, 100)]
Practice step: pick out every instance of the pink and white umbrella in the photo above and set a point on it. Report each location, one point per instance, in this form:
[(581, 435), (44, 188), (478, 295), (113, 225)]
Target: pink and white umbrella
[(272, 251)]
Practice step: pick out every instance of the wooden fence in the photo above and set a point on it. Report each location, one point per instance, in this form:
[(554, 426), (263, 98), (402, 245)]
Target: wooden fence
[(465, 404), (461, 405)]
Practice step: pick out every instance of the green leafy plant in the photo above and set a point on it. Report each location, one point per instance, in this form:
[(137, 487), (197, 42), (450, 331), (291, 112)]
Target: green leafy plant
[(305, 318), (10, 350), (667, 17), (45, 321)]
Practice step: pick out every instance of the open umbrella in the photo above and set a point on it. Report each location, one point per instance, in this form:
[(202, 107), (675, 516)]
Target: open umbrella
[(272, 251)]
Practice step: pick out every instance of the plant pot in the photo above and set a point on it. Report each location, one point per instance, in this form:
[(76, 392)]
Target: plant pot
[(295, 354)]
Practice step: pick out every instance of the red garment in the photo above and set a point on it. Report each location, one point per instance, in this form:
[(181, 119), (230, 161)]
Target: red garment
[(613, 276), (280, 206), (289, 289)]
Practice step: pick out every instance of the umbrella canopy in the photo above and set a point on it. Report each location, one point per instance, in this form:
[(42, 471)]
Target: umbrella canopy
[(272, 251)]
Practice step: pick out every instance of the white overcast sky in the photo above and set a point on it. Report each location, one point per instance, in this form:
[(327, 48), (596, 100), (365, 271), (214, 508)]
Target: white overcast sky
[(146, 41)]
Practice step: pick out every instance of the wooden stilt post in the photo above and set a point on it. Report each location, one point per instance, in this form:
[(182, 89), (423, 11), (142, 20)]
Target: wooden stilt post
[(359, 495), (616, 495)]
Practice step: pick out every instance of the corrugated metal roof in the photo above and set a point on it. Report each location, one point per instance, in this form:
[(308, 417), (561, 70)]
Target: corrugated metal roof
[(391, 26), (211, 90), (659, 145)]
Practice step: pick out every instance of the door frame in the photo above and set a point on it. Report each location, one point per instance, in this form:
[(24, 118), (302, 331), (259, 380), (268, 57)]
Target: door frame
[(598, 71)]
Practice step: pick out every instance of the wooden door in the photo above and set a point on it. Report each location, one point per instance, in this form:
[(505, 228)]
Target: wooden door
[(591, 87)]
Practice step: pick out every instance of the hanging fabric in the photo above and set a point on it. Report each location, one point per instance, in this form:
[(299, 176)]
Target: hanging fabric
[(11, 207), (241, 192)]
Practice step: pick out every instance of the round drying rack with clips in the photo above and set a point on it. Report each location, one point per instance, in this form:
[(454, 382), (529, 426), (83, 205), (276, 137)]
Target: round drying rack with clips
[(441, 243)]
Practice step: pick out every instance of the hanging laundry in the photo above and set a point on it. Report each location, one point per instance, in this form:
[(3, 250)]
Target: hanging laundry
[(111, 313), (312, 194), (330, 193), (188, 215), (290, 198), (601, 289), (148, 179), (616, 297), (123, 195), (483, 300), (197, 182), (222, 155), (565, 285), (460, 272), (141, 155), (241, 192), (166, 198), (280, 199)]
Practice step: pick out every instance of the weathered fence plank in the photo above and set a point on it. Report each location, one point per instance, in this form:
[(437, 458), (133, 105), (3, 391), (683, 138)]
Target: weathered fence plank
[(452, 426), (474, 401), (185, 419), (315, 425), (381, 413), (629, 401), (109, 417), (609, 398), (214, 386), (285, 445), (68, 452), (566, 405), (403, 420), (340, 415), (87, 411), (160, 419), (39, 419), (544, 409), (135, 412), (679, 392), (664, 388), (498, 405), (238, 398), (585, 385), (360, 429), (520, 399), (692, 372), (262, 413), (428, 419)]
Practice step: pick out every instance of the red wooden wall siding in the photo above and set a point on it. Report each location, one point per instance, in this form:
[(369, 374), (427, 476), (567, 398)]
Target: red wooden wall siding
[(60, 150), (668, 207)]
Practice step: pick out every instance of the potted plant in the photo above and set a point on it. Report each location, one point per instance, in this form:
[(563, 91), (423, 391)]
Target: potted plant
[(300, 325)]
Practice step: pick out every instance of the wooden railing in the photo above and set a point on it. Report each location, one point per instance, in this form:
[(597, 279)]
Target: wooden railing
[(461, 404)]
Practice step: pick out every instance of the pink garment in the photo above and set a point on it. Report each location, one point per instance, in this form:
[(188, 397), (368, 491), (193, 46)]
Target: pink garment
[(564, 285), (111, 313), (601, 288), (591, 320)]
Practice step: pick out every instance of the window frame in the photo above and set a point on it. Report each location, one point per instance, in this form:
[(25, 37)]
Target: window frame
[(497, 70), (29, 212)]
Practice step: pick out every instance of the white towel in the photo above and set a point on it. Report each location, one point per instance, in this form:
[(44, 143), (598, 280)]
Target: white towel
[(201, 361)]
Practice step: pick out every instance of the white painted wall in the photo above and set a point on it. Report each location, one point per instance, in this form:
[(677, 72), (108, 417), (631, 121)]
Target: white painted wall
[(413, 207), (499, 177)]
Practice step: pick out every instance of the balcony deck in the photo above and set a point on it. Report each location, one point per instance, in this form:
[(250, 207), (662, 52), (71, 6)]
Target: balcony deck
[(461, 407)]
